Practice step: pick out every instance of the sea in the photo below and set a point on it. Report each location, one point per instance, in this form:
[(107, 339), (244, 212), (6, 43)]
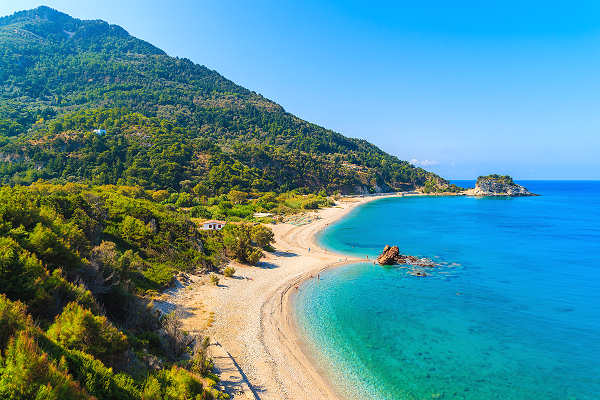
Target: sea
[(512, 311)]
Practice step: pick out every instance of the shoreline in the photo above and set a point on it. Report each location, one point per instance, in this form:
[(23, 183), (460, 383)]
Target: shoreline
[(278, 316), (256, 345)]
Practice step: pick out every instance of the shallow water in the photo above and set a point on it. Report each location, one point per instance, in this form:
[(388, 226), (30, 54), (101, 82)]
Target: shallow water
[(514, 313)]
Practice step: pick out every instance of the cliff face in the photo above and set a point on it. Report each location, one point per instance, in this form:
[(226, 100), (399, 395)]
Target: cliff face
[(497, 185)]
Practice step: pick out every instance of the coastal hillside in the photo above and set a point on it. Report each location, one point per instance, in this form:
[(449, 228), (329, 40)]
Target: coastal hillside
[(86, 101)]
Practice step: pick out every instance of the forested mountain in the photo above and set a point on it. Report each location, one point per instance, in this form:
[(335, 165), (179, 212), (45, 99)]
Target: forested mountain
[(85, 101)]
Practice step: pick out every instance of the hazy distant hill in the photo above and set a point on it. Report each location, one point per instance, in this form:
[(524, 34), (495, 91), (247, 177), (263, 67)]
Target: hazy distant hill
[(160, 121)]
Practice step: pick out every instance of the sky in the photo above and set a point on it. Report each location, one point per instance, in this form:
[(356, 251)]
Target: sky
[(461, 88)]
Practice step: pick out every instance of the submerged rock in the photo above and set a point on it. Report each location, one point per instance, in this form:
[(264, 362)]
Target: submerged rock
[(498, 185), (418, 272)]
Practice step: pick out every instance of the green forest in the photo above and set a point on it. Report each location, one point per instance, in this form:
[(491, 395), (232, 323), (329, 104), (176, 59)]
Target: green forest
[(165, 122)]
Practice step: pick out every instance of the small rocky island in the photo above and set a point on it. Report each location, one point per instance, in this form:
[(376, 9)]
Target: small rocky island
[(498, 185)]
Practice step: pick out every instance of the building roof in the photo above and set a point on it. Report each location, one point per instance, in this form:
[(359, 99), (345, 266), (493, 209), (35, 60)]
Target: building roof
[(214, 221)]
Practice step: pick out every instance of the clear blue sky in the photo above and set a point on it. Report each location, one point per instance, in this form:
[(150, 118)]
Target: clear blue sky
[(461, 87)]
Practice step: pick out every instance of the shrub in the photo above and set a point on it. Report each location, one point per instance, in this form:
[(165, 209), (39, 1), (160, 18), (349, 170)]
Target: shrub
[(13, 318), (229, 271), (214, 279), (158, 276), (184, 200), (311, 204), (177, 339), (237, 197), (28, 373), (79, 329), (19, 271), (160, 195), (134, 231), (95, 377), (238, 240), (200, 363), (152, 389), (177, 384), (254, 256), (200, 212), (50, 248), (262, 236)]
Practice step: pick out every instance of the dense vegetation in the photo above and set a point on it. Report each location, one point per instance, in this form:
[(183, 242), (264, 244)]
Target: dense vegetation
[(163, 122), (504, 179), (75, 263)]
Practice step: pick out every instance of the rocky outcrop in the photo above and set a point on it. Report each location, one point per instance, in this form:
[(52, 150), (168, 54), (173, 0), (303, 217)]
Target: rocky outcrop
[(498, 185), (391, 256)]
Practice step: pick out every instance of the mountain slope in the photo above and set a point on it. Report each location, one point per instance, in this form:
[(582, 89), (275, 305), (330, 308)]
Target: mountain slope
[(163, 122)]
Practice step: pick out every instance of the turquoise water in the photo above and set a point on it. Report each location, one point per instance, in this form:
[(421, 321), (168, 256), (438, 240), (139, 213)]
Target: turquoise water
[(513, 314)]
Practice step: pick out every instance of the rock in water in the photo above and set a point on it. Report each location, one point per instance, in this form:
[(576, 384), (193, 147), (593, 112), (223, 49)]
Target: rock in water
[(498, 185), (389, 255)]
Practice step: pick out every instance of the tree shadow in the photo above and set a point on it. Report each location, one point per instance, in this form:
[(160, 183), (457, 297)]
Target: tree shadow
[(284, 254), (231, 383), (266, 265)]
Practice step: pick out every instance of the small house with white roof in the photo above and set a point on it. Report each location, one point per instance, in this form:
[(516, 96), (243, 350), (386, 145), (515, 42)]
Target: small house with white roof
[(213, 224)]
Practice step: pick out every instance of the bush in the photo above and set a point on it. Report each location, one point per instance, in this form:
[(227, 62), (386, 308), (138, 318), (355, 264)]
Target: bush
[(173, 384), (200, 363), (13, 318), (229, 271), (50, 248), (255, 256), (311, 204), (134, 231), (237, 197), (28, 373), (262, 236), (214, 279), (152, 389), (96, 378), (238, 240), (78, 329), (159, 276), (160, 195), (177, 339), (19, 271)]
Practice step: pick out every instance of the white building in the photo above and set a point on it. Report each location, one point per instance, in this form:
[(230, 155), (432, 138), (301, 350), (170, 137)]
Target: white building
[(213, 224), (100, 132)]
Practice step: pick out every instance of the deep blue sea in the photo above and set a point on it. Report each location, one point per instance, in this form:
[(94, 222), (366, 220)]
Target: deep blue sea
[(514, 312)]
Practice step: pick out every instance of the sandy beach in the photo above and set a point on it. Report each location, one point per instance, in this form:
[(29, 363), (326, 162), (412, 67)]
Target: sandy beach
[(255, 344)]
